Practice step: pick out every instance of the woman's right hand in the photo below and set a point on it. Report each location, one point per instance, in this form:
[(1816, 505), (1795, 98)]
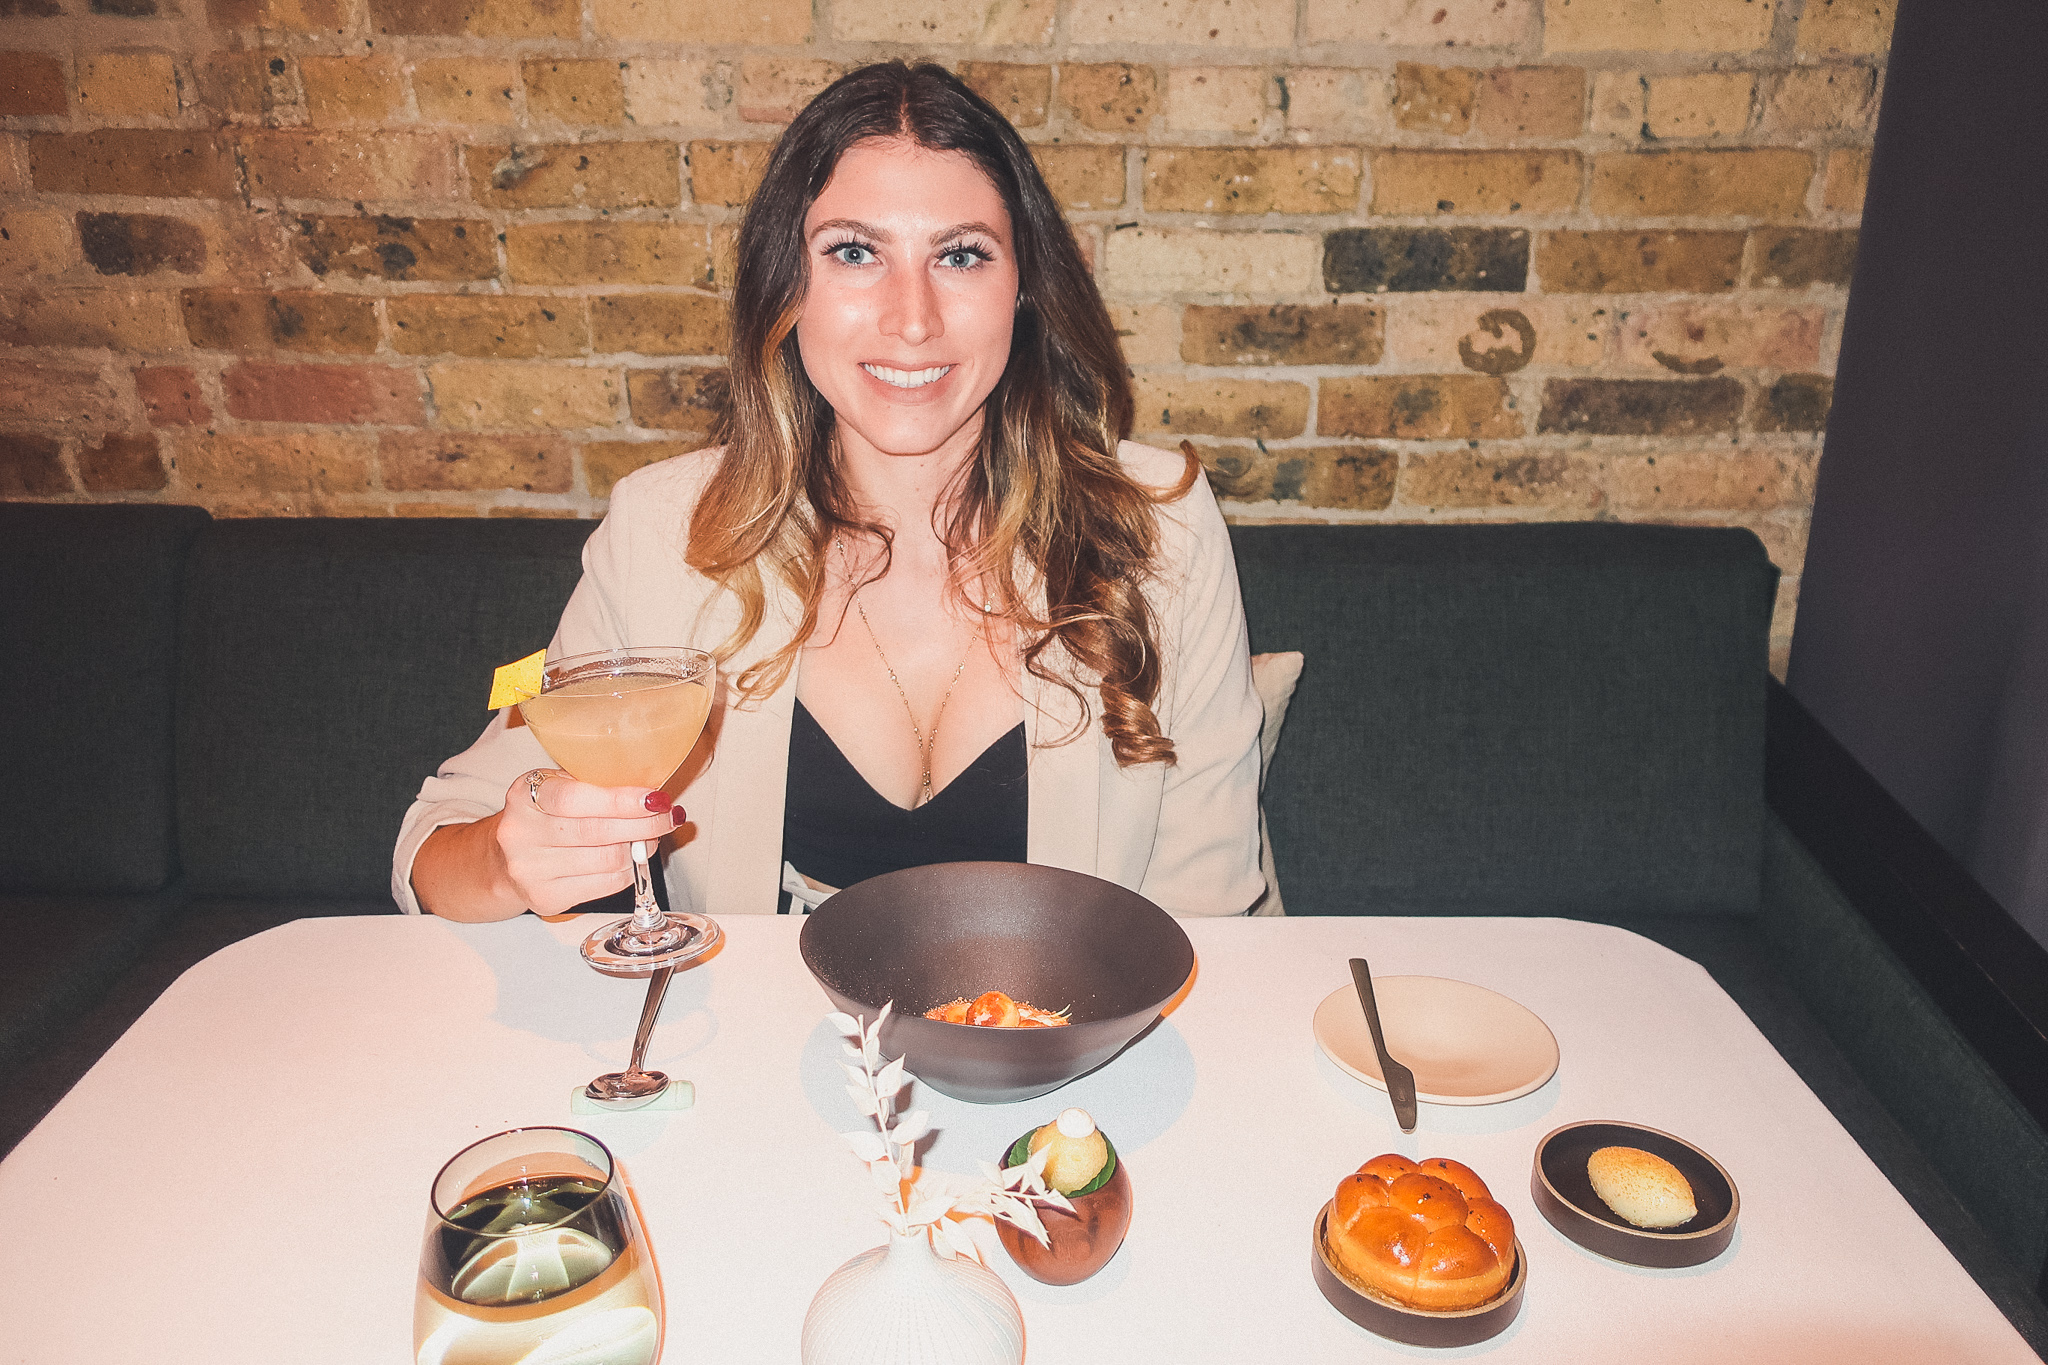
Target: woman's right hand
[(564, 842)]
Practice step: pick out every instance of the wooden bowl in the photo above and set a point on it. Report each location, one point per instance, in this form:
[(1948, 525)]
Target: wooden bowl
[(1382, 1316), (1564, 1192)]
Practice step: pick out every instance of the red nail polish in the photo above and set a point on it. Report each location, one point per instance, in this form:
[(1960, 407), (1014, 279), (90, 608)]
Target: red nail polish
[(679, 815), (657, 802)]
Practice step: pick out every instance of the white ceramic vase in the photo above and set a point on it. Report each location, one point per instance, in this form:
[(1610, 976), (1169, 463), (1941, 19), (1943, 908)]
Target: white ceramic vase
[(904, 1304)]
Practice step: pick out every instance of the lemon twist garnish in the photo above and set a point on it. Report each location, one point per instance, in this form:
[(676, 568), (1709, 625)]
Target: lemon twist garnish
[(518, 682)]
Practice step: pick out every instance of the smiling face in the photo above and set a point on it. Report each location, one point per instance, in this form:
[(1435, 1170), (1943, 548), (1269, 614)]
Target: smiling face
[(912, 297)]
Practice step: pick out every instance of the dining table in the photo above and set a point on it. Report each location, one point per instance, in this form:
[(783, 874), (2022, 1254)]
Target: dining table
[(244, 1176)]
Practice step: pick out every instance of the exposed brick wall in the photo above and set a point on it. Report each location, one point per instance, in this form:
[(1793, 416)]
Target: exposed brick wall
[(1378, 259)]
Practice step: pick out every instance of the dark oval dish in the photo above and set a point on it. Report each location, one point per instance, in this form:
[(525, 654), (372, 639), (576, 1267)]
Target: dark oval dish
[(1384, 1317), (927, 935), (1562, 1190)]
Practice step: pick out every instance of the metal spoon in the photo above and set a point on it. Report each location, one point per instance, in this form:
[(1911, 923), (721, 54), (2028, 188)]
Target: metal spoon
[(634, 1088), (1400, 1080)]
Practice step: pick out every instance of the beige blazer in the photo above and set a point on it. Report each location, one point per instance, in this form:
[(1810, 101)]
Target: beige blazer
[(1185, 836)]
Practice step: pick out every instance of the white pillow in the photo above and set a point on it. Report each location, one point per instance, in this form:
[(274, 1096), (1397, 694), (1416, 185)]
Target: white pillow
[(1273, 678)]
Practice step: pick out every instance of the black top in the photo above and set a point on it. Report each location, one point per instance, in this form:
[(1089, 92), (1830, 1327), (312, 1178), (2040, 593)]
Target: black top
[(838, 830)]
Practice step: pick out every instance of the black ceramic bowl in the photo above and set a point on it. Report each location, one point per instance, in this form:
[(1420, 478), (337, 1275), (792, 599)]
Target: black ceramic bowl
[(1564, 1193), (1057, 940)]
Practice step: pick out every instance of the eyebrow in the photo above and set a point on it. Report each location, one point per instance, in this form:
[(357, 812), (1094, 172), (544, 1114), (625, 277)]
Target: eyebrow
[(854, 225)]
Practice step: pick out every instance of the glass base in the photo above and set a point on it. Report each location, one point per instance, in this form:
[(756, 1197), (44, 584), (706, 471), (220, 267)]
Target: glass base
[(616, 950)]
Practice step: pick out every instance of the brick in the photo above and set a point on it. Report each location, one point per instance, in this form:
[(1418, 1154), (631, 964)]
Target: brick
[(1417, 407), (601, 252), (1282, 334), (1409, 260), (1148, 332), (1193, 406), (1531, 101), (466, 90), (1410, 183), (774, 23), (34, 245), (30, 9), (602, 175), (503, 328), (1762, 183), (678, 400), (125, 9), (31, 466), (1434, 99), (1618, 106), (1217, 99), (53, 395), (446, 462), (1112, 97), (282, 16), (382, 165), (1421, 23), (772, 90), (1847, 26), (606, 462), (171, 396), (922, 22), (252, 321), (1632, 26), (727, 172), (1251, 179), (1793, 258), (1712, 480), (1640, 407), (1702, 338), (139, 161), (344, 92), (122, 464), (1348, 478), (1490, 335), (141, 244), (1710, 104), (251, 85), (1188, 23), (582, 91), (555, 397), (1324, 99), (1496, 478), (1822, 99), (659, 324), (1021, 93), (114, 318), (299, 462), (1848, 177), (662, 91), (1081, 175), (127, 85), (388, 247), (31, 83), (1639, 262), (479, 18), (1142, 261), (336, 394), (1795, 403)]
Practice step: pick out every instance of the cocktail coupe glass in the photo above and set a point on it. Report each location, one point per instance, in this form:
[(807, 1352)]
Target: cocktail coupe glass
[(533, 1251), (628, 718)]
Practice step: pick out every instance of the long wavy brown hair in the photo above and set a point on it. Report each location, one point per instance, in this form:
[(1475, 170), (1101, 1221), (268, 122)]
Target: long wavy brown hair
[(1044, 489)]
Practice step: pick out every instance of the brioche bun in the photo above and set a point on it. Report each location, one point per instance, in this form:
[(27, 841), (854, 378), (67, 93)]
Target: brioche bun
[(1641, 1187), (1425, 1234)]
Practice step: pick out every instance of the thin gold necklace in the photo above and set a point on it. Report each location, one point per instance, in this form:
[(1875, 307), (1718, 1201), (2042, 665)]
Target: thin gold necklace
[(925, 744)]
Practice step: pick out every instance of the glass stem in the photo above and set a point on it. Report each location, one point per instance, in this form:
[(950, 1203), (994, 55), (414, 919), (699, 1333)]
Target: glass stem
[(647, 916)]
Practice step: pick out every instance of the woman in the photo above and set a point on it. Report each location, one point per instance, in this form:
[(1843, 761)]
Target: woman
[(956, 615)]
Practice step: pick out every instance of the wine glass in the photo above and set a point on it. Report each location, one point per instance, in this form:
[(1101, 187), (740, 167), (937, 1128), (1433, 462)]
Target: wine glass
[(628, 718), (533, 1251)]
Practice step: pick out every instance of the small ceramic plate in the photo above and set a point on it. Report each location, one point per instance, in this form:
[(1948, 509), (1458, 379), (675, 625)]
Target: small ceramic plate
[(1564, 1194), (1465, 1044)]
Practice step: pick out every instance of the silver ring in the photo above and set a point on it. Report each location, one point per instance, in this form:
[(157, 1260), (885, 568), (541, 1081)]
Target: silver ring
[(534, 780)]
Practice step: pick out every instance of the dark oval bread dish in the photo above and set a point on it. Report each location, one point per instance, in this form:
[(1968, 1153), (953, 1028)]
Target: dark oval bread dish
[(1564, 1193), (1382, 1316), (1056, 939)]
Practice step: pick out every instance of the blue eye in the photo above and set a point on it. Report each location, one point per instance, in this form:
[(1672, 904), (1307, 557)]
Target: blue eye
[(851, 253), (963, 257)]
